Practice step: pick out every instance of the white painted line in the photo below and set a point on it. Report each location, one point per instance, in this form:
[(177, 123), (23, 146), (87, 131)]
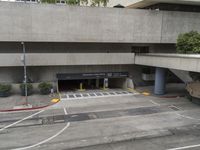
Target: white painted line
[(8, 126), (153, 102), (48, 139), (188, 117), (95, 94), (65, 111), (44, 141), (173, 106), (185, 147), (90, 97)]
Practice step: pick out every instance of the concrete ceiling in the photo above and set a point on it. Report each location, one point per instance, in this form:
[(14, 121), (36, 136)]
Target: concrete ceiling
[(144, 3)]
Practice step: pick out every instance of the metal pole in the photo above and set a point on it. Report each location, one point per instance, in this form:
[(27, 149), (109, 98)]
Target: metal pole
[(25, 75)]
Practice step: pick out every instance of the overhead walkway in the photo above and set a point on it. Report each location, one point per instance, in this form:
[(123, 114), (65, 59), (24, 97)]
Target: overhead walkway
[(179, 64), (172, 61)]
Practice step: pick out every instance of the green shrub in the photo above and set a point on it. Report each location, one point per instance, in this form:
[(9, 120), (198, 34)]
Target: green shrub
[(5, 90), (188, 43), (45, 88), (29, 89)]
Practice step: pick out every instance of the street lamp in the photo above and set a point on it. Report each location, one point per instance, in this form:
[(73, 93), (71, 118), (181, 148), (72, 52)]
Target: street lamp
[(23, 59)]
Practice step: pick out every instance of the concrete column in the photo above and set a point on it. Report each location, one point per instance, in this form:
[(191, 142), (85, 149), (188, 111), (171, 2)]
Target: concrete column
[(129, 83), (159, 88), (105, 84), (97, 83)]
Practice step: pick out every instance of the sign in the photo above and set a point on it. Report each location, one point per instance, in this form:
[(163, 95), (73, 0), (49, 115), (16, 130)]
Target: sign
[(100, 75)]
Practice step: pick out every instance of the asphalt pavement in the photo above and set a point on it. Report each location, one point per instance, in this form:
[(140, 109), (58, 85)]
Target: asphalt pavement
[(119, 122)]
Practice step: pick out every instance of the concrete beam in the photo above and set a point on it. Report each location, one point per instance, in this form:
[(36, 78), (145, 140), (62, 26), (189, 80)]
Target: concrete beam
[(171, 61), (61, 23), (66, 59)]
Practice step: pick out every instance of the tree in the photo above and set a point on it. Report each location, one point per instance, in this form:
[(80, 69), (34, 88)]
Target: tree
[(188, 43), (48, 1), (99, 2), (70, 2)]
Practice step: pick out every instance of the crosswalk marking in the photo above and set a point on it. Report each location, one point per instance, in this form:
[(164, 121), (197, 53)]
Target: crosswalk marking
[(93, 94)]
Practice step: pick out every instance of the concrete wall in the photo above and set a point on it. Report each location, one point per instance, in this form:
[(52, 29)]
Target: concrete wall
[(38, 74), (55, 23), (63, 59), (45, 47), (60, 47), (171, 61)]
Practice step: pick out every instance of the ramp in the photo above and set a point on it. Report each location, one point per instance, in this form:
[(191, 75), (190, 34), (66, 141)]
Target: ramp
[(183, 75)]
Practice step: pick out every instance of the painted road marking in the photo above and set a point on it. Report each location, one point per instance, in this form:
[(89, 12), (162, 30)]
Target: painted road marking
[(48, 139), (153, 102), (65, 111), (188, 117), (8, 126), (185, 147), (96, 96)]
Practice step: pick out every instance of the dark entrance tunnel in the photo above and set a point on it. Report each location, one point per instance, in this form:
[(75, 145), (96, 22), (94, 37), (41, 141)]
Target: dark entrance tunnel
[(71, 82), (71, 85)]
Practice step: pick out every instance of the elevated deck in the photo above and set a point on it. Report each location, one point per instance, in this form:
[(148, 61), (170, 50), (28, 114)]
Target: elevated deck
[(185, 62)]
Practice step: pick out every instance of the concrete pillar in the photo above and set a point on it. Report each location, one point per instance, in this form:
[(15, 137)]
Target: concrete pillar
[(97, 83), (129, 83), (105, 84), (159, 88)]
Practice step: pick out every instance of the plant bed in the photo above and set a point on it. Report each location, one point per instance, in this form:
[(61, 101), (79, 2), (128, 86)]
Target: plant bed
[(45, 88), (29, 89), (5, 90)]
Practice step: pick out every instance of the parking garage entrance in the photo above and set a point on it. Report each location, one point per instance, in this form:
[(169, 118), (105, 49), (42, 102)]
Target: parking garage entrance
[(80, 81)]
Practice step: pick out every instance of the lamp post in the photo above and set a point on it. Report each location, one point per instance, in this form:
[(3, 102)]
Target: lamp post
[(25, 75)]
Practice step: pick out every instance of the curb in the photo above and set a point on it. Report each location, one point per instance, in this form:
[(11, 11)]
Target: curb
[(93, 141), (172, 96), (24, 109)]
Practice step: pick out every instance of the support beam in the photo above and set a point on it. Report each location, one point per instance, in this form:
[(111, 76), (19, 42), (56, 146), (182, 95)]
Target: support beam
[(159, 88)]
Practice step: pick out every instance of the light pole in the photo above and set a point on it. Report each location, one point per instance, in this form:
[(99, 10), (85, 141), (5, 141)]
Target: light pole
[(25, 75)]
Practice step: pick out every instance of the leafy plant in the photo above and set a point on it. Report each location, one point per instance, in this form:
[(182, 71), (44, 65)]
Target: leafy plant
[(70, 2), (99, 2), (45, 88), (188, 43), (80, 2), (5, 90), (29, 89)]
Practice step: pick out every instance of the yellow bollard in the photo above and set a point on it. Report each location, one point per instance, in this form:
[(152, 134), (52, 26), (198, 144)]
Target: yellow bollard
[(55, 100), (81, 87)]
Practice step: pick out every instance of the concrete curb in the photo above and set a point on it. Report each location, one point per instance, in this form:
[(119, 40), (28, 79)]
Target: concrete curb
[(25, 109), (92, 141)]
